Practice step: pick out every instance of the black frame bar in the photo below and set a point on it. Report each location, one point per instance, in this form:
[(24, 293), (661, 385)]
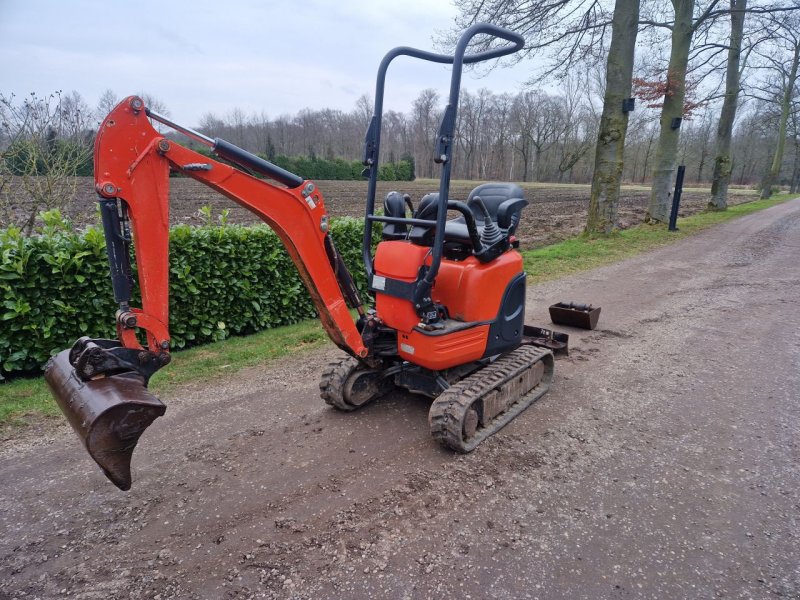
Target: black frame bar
[(443, 141), (676, 199)]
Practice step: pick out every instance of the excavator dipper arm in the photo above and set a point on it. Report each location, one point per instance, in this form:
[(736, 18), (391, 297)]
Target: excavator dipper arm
[(101, 385)]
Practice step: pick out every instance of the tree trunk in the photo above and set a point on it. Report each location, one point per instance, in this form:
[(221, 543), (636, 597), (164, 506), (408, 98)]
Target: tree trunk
[(796, 164), (667, 150), (537, 163), (786, 104), (609, 152), (647, 157), (635, 167), (722, 162)]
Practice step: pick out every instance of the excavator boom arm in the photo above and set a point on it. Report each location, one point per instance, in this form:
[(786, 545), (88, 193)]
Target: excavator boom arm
[(132, 164), (101, 385)]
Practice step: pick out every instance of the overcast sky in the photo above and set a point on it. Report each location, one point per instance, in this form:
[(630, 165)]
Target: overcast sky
[(276, 56)]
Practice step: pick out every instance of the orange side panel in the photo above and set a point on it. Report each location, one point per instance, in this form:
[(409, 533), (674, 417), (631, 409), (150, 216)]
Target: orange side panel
[(398, 260), (439, 352), (472, 291)]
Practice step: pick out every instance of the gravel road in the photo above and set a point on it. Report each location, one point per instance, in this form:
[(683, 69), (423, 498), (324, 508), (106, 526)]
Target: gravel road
[(664, 463)]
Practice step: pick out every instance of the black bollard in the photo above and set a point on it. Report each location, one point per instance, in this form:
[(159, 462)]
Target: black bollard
[(676, 198)]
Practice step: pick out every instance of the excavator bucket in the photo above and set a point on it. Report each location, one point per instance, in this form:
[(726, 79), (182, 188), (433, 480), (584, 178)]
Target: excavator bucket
[(109, 414)]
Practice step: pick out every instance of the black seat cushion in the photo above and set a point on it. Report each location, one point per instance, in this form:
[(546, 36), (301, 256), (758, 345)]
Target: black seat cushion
[(455, 230), (503, 201)]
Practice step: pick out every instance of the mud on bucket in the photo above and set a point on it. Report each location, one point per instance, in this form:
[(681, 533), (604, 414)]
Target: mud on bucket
[(109, 414)]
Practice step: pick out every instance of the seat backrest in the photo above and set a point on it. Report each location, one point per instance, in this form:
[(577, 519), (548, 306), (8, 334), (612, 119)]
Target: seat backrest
[(425, 209), (394, 206), (504, 201)]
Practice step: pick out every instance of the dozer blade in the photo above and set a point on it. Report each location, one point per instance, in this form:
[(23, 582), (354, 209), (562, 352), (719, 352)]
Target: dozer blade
[(109, 414)]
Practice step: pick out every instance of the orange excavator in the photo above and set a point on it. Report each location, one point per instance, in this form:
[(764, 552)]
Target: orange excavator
[(449, 310)]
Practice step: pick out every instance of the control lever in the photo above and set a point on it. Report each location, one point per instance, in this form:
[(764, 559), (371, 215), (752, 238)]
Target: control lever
[(491, 233)]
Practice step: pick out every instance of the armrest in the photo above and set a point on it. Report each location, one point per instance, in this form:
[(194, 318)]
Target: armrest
[(508, 213)]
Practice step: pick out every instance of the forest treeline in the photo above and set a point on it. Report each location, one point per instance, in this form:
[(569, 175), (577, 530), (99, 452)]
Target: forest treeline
[(534, 135), (628, 90)]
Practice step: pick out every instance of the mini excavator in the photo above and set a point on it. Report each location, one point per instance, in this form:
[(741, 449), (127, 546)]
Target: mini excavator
[(449, 310)]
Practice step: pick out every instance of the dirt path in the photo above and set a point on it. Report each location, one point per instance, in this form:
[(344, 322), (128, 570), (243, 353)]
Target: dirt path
[(664, 463)]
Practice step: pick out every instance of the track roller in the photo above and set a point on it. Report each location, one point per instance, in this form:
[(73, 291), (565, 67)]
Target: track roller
[(347, 384)]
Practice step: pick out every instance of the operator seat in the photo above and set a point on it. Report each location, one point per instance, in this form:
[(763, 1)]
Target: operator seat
[(503, 201)]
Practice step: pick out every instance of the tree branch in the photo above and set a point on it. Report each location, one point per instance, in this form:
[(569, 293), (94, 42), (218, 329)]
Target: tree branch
[(709, 11)]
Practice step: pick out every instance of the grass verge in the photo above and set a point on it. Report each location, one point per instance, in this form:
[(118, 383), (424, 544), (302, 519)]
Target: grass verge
[(23, 399)]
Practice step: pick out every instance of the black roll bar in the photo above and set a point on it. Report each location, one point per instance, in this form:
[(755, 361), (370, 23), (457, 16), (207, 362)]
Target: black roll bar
[(443, 142)]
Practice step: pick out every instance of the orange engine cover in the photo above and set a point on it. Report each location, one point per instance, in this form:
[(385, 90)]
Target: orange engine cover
[(471, 292)]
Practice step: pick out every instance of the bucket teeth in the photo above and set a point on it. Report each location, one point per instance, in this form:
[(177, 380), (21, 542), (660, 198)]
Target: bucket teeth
[(109, 414)]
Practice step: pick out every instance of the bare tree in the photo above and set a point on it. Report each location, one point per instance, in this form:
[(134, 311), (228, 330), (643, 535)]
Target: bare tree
[(682, 29), (752, 143), (237, 121), (579, 133), (565, 32), (570, 33), (782, 59), (524, 116), (108, 100), (610, 148), (723, 163), (425, 115), (48, 143), (471, 112), (6, 212), (794, 184), (500, 157)]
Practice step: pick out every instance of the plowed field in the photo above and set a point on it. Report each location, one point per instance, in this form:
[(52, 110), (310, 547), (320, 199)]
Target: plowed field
[(556, 211)]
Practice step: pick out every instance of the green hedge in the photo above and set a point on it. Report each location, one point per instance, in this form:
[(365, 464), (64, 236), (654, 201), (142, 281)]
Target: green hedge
[(24, 159), (227, 280), (314, 167), (341, 169)]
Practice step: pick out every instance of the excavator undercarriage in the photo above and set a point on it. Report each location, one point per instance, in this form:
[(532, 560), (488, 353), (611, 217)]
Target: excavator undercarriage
[(448, 320), (471, 402)]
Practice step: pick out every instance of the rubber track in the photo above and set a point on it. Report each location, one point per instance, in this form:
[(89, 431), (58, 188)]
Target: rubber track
[(447, 413), (331, 386)]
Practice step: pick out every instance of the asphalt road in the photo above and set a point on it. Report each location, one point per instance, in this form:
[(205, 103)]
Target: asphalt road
[(663, 463)]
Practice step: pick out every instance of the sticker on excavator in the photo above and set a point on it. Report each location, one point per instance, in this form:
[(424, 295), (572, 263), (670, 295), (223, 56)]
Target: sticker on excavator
[(109, 414)]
